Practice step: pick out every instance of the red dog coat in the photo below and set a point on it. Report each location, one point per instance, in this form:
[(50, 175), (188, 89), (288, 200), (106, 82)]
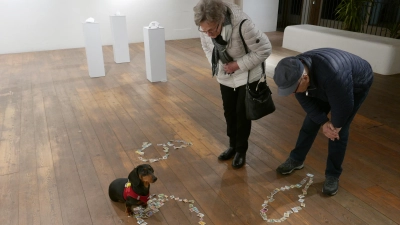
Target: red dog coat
[(128, 192)]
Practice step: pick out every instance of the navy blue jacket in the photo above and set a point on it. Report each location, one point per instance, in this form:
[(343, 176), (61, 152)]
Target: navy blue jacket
[(335, 76)]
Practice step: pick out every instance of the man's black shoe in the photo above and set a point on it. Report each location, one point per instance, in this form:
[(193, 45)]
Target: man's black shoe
[(239, 160), (289, 165), (331, 186), (227, 154)]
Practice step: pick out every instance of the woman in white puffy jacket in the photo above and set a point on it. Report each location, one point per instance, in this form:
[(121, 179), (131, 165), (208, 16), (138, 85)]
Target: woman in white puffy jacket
[(219, 23)]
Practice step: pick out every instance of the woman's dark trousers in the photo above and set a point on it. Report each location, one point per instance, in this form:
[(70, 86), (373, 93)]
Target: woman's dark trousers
[(238, 127)]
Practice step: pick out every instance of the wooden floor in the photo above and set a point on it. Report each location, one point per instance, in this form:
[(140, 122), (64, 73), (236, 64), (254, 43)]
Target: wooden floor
[(66, 136)]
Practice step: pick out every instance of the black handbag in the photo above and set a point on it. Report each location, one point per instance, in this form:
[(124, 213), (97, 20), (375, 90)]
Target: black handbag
[(258, 102)]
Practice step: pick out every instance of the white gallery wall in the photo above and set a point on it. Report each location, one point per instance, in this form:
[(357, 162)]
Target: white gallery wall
[(264, 13), (38, 25)]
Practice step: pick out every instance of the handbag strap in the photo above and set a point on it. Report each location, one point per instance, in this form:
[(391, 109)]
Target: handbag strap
[(247, 51)]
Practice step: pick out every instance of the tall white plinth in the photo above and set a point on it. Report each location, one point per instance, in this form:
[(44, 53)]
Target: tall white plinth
[(154, 49), (120, 35), (94, 51)]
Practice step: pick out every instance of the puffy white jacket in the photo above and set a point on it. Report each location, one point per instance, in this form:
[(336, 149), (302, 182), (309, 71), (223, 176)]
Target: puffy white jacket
[(258, 45)]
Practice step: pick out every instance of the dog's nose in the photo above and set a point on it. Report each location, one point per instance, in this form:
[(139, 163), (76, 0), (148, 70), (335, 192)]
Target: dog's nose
[(154, 179)]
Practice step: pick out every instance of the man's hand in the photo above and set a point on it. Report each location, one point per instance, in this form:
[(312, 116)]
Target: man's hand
[(231, 67), (330, 131)]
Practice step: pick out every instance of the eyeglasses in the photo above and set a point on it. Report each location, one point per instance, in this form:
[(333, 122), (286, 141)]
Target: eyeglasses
[(210, 30)]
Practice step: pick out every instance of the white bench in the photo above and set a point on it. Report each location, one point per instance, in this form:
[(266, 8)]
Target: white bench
[(381, 52)]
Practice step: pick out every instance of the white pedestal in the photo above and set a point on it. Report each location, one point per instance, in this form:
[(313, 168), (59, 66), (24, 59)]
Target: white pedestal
[(94, 51), (154, 45), (120, 35)]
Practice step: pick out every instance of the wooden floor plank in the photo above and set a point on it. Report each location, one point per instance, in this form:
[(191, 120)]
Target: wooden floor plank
[(29, 209), (27, 138), (10, 136), (49, 198), (42, 143), (9, 198)]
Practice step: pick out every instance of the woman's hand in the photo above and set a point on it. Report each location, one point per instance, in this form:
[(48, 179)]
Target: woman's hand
[(231, 67), (330, 131)]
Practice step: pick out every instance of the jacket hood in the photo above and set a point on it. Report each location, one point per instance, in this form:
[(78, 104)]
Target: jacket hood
[(237, 15)]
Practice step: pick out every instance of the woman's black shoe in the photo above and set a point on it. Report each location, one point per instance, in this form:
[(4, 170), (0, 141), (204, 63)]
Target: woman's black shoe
[(227, 154), (239, 160)]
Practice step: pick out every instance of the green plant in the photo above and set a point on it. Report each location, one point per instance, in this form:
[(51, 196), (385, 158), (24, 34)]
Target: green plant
[(353, 14)]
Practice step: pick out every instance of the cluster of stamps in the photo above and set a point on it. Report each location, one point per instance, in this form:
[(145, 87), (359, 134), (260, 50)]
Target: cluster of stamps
[(156, 201), (166, 148), (264, 210)]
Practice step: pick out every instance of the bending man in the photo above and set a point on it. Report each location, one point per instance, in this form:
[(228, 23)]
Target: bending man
[(324, 80)]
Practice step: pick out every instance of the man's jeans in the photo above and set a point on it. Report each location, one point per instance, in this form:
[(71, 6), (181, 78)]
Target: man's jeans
[(336, 149)]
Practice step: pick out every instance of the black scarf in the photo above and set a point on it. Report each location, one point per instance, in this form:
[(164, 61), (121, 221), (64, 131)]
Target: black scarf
[(219, 50)]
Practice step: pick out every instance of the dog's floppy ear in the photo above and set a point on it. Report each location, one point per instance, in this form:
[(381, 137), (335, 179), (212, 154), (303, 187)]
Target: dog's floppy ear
[(134, 177)]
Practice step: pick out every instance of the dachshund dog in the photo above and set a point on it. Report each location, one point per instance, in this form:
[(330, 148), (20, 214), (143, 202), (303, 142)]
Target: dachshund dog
[(135, 190)]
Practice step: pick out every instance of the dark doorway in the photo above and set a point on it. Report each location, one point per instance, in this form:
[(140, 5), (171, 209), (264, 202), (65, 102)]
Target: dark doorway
[(314, 12)]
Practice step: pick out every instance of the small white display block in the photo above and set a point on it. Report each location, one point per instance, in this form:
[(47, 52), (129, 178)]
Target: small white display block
[(120, 35), (94, 50), (154, 46)]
